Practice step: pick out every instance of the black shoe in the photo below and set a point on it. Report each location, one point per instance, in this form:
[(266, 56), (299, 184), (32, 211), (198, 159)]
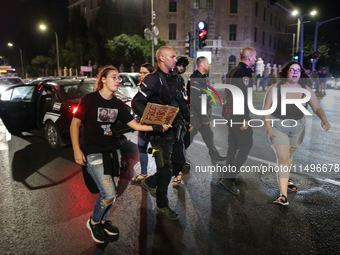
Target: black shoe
[(221, 158), (112, 232), (187, 165), (168, 213), (109, 228), (218, 158), (97, 232), (230, 186), (147, 187)]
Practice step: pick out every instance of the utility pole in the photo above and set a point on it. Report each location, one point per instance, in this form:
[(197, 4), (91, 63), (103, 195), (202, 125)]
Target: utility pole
[(152, 36), (194, 12)]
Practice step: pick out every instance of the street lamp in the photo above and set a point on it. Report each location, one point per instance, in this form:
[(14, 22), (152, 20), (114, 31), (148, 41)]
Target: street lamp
[(22, 62), (300, 20), (43, 27)]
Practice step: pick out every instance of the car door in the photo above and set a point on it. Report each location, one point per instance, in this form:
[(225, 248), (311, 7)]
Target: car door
[(17, 108)]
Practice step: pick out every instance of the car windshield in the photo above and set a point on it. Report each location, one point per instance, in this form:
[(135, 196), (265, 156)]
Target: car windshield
[(78, 90), (10, 81), (135, 78)]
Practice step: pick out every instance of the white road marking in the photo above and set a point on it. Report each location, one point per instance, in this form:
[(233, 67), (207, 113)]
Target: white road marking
[(274, 164), (335, 131), (251, 157), (329, 181), (262, 160)]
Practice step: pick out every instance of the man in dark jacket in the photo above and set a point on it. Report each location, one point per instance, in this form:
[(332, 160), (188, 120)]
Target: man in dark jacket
[(240, 136), (163, 87), (196, 87)]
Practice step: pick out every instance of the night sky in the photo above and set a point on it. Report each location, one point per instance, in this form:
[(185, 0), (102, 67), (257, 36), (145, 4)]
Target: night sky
[(19, 21)]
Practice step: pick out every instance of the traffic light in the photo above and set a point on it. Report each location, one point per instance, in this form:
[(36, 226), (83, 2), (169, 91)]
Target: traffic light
[(202, 34), (315, 55), (296, 56), (189, 48)]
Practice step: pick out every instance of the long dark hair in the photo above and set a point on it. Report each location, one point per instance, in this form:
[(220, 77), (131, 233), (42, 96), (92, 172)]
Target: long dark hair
[(304, 78), (103, 73), (148, 66)]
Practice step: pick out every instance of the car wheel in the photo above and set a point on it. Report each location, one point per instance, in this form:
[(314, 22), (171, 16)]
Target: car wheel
[(52, 136)]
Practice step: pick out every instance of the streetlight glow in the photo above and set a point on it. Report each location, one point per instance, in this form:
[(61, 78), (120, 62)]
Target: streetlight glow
[(313, 13), (295, 12), (43, 27), (22, 62)]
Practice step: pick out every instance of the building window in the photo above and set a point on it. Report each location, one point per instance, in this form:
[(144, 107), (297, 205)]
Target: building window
[(278, 44), (232, 62), (172, 6), (196, 4), (256, 9), (264, 14), (279, 24), (172, 31), (255, 36), (210, 4), (274, 43), (232, 32), (263, 37), (270, 41), (271, 19), (233, 6), (275, 22)]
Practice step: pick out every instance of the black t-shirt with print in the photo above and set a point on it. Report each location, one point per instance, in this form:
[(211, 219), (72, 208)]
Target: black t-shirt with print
[(99, 117)]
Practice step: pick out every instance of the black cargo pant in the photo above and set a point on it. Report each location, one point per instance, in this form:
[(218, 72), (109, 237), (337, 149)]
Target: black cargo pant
[(207, 136), (240, 143), (161, 179)]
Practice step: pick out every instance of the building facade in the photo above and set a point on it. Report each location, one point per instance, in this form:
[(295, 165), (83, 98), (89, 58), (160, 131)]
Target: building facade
[(232, 25)]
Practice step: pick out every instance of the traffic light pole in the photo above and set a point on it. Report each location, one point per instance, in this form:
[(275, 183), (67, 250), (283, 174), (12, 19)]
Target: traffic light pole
[(152, 36), (194, 11), (316, 37)]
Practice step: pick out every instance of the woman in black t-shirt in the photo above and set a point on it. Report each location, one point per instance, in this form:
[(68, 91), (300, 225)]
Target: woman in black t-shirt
[(100, 142), (288, 137)]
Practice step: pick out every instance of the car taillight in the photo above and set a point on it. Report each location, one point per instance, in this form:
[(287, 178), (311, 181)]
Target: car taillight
[(73, 109)]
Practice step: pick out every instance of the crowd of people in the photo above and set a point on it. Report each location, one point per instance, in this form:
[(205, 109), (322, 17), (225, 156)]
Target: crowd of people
[(318, 80), (98, 112)]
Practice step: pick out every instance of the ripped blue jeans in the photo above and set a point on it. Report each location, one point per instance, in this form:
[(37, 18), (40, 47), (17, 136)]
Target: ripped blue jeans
[(105, 185)]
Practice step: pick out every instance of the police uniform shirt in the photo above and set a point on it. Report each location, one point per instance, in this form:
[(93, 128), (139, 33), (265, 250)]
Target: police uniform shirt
[(241, 76), (195, 87), (154, 90)]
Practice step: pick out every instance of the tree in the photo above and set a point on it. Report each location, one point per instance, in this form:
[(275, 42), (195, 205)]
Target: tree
[(322, 49), (131, 49), (125, 49)]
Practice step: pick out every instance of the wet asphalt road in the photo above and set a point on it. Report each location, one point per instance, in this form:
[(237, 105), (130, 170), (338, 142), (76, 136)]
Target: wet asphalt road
[(45, 205)]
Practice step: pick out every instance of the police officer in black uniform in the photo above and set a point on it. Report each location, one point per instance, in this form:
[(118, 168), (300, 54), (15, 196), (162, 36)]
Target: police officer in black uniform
[(182, 62), (240, 136), (195, 90), (163, 87)]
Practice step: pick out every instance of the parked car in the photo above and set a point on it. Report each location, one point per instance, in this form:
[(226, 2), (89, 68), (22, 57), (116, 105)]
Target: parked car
[(130, 84), (330, 83), (48, 106), (6, 82), (337, 83)]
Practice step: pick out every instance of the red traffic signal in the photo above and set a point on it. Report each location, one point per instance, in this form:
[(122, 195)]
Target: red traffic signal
[(202, 34), (315, 54)]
